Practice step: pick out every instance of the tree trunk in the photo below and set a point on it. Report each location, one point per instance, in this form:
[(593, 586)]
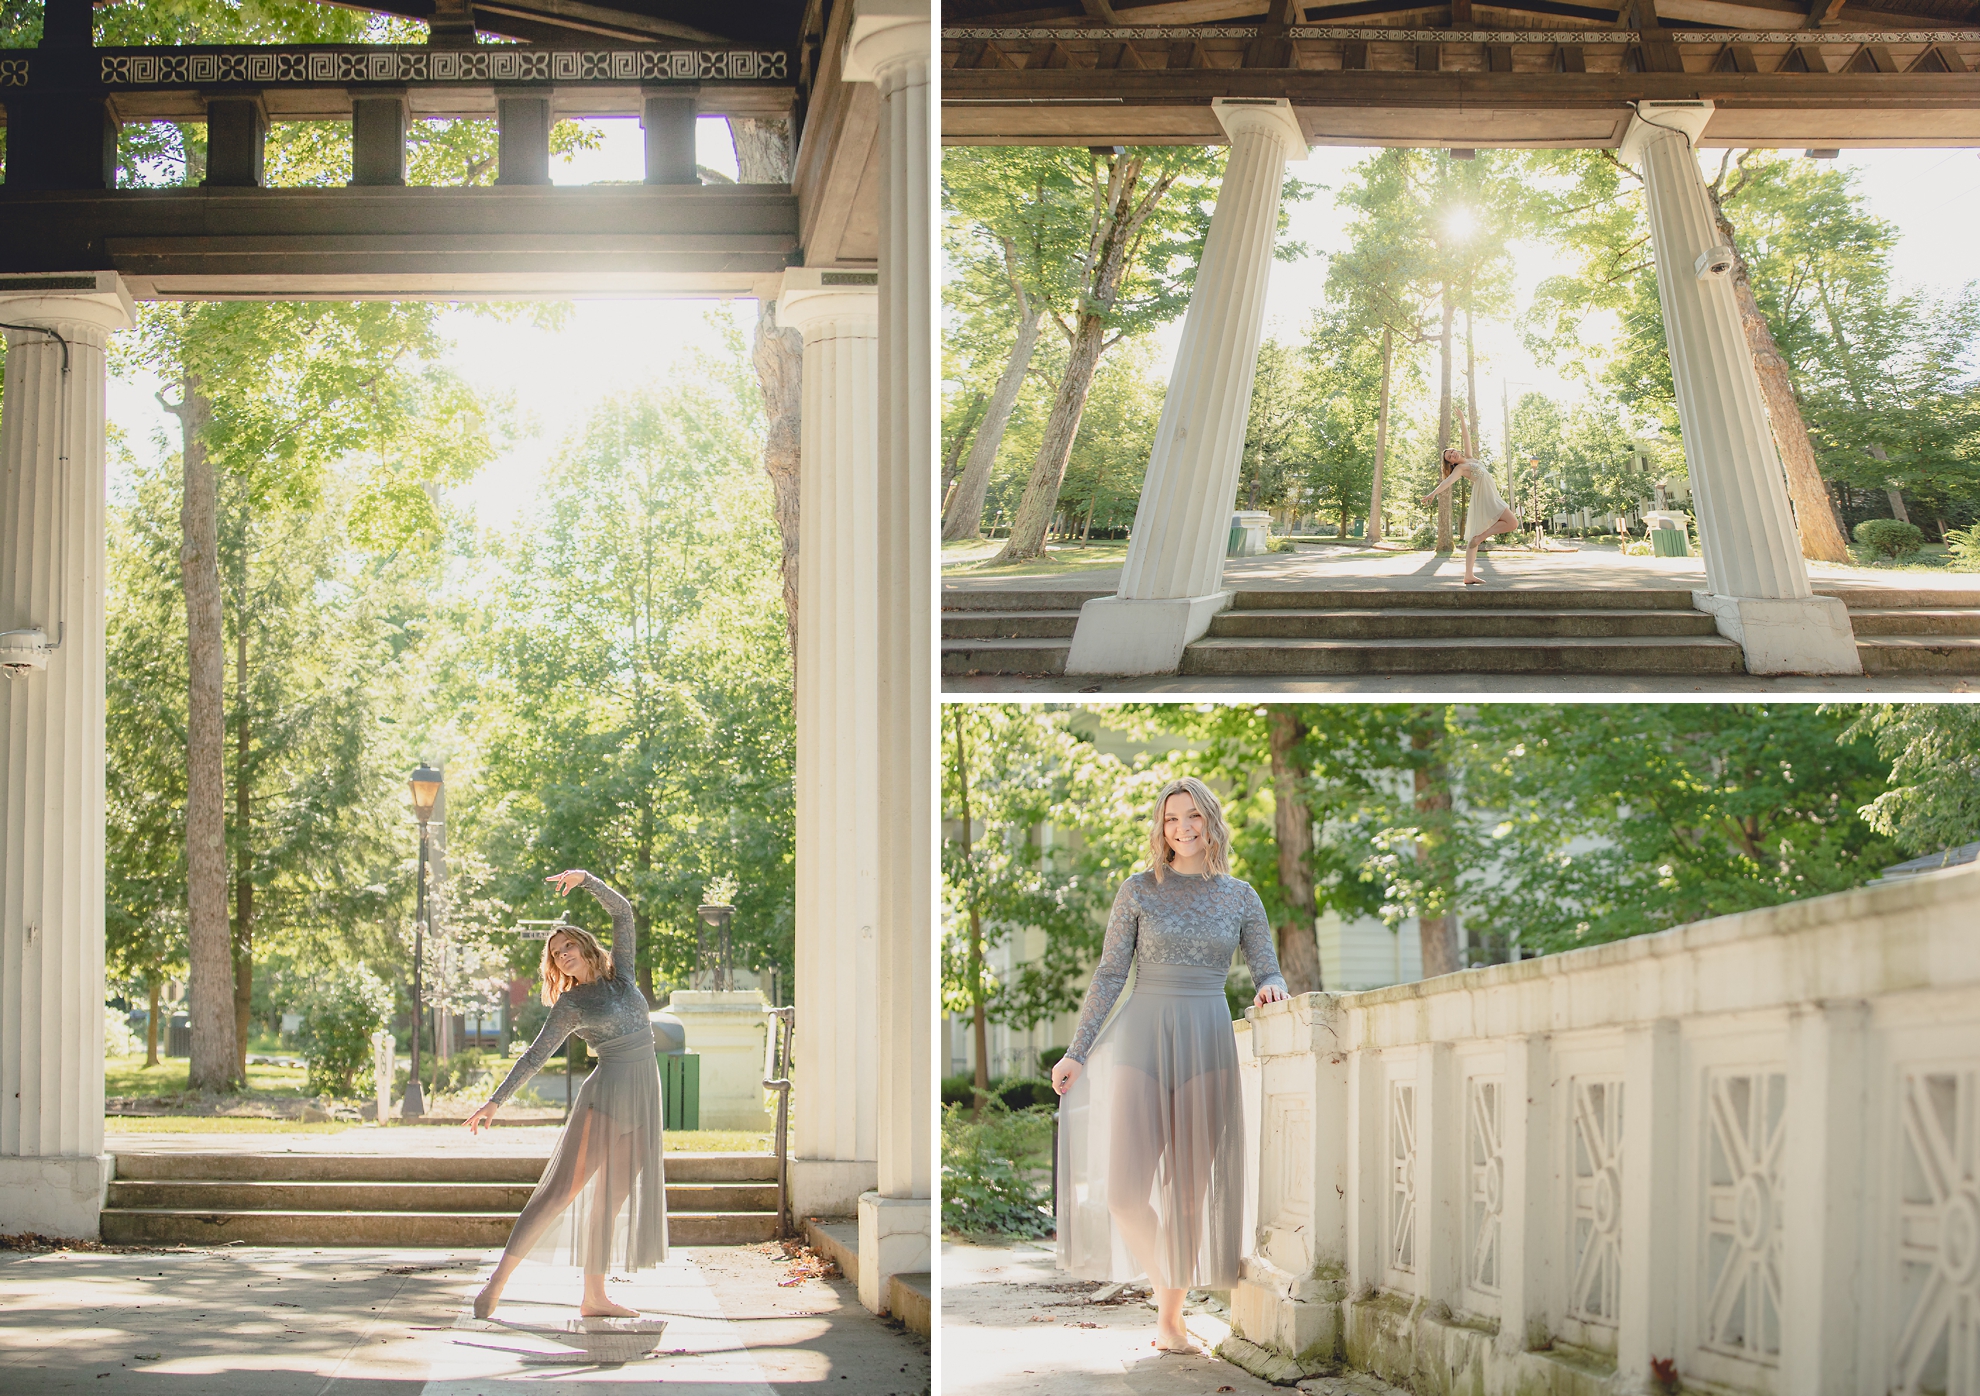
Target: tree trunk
[(151, 1022), (763, 150), (779, 359), (645, 976), (1048, 471), (1118, 220), (1292, 827), (1381, 437), (964, 518), (1821, 533), (215, 1064), (1444, 422), (1897, 504), (243, 847), (1432, 780), (979, 1017), (965, 433)]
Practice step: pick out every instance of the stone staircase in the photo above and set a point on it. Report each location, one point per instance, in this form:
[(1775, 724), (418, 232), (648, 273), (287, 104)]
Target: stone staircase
[(371, 1200), (1481, 631), (1009, 632), (1914, 632)]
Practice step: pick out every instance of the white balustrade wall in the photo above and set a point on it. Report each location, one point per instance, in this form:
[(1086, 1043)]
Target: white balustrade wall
[(1749, 1148)]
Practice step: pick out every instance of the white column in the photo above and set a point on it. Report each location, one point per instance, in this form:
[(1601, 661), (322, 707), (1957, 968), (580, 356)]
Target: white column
[(890, 44), (834, 1157), (1758, 583), (1647, 1325), (1824, 1183), (53, 1171), (1172, 582), (1526, 1190)]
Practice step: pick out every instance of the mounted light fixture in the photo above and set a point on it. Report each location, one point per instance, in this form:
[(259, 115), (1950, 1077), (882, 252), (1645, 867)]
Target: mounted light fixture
[(1713, 262), (425, 783)]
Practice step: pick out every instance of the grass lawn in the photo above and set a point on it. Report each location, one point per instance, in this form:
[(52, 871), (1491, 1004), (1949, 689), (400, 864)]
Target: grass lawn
[(1933, 557), (217, 1124), (129, 1076), (1059, 557)]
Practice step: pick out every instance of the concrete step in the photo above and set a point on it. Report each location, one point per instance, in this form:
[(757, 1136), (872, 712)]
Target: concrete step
[(1918, 621), (1016, 599), (1901, 598), (1005, 656), (405, 1197), (1009, 625), (1479, 598), (1919, 654), (1455, 623), (1625, 655), (431, 1168), (133, 1226)]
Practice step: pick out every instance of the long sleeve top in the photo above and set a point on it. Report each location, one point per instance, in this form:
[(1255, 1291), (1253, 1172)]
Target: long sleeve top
[(1184, 919), (596, 1012)]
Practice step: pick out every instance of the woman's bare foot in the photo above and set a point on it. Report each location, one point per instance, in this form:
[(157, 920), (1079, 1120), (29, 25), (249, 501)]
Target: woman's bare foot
[(485, 1302), (1175, 1342), (607, 1310), (1473, 582)]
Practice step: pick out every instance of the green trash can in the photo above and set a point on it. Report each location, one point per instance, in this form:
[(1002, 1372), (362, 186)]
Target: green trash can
[(1669, 542), (680, 1090), (1235, 541)]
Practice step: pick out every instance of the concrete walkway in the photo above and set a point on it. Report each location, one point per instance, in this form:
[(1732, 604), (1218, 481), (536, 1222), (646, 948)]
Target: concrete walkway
[(1585, 568), (271, 1321)]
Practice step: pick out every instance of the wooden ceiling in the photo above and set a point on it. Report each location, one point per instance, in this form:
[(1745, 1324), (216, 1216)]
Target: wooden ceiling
[(775, 23), (1873, 15)]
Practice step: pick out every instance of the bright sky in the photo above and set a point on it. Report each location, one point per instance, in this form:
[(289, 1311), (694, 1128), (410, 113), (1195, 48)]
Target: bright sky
[(554, 378), (1933, 196)]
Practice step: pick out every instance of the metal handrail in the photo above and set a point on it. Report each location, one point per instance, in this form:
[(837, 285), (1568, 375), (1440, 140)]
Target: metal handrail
[(777, 1077)]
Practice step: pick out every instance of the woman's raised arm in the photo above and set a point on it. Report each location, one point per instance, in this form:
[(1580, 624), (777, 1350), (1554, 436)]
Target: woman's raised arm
[(625, 936)]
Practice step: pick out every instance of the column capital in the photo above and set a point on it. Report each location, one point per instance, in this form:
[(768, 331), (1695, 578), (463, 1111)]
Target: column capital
[(885, 32), (814, 296), (1272, 115), (97, 298), (1651, 119)]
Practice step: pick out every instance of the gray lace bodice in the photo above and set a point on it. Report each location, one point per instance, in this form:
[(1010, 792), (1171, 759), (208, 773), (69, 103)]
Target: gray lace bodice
[(1181, 920), (598, 1011)]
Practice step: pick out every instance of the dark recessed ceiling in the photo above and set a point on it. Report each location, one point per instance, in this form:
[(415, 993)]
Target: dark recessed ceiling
[(770, 23)]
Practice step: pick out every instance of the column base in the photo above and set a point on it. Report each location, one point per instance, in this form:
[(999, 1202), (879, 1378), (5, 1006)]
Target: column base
[(60, 1197), (893, 1240), (1117, 635), (822, 1187), (1810, 635), (1297, 1320)]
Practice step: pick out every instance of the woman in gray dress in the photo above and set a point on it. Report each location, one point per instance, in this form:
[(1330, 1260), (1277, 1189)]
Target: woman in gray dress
[(1151, 1137), (602, 1201)]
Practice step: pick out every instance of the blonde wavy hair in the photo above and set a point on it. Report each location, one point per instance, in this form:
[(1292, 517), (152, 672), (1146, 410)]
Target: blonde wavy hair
[(555, 981), (1216, 832)]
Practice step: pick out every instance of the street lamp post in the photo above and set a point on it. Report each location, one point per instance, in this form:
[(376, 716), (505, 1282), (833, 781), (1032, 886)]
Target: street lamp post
[(717, 916), (425, 783)]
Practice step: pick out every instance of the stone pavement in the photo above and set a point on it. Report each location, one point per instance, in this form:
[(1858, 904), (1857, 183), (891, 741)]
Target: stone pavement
[(275, 1321), (1584, 567)]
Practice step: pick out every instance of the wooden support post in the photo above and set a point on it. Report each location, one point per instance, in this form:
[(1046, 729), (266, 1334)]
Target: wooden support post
[(1354, 55), (1429, 58), (668, 118), (522, 122), (1498, 58), (1574, 58), (378, 137), (236, 136), (451, 25)]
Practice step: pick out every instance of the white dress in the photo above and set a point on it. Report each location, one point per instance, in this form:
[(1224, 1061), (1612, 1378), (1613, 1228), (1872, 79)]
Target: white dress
[(1486, 504)]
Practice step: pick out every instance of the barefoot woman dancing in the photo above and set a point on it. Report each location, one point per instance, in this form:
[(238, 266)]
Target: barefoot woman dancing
[(1152, 1129), (601, 1204), (1488, 513)]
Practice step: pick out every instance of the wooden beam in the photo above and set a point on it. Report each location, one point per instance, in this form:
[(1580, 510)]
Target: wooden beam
[(1101, 11), (1823, 13), (1574, 59)]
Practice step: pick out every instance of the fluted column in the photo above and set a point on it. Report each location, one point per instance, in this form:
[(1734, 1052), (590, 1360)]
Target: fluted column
[(1758, 583), (1172, 582), (891, 45), (53, 1170), (834, 1157)]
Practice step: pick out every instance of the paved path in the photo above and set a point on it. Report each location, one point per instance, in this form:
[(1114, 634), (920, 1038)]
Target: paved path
[(1586, 568), (267, 1321), (1013, 1322)]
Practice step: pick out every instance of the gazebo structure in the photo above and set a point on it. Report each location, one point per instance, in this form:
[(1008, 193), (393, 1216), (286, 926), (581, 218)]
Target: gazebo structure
[(1653, 79), (843, 248)]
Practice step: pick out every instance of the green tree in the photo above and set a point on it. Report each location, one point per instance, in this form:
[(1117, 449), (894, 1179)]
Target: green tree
[(1932, 800), (629, 678)]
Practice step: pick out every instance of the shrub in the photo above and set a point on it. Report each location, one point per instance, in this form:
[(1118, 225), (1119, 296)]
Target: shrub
[(987, 1165), (1050, 1058), (340, 1011), (469, 1069), (1889, 537), (1424, 537), (1963, 549), (1278, 545), (1023, 1092)]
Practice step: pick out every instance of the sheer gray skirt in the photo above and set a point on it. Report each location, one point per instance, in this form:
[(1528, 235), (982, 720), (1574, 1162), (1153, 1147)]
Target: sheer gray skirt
[(601, 1204), (1151, 1140)]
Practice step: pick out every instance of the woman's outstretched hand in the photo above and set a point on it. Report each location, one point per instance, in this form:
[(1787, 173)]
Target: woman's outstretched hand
[(1065, 1071), (1271, 993), (480, 1119), (568, 881)]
